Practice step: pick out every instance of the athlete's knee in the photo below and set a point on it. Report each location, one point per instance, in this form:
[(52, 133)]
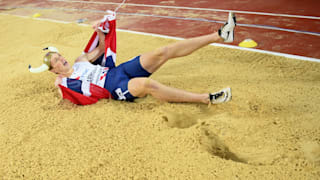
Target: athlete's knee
[(140, 87), (151, 85), (162, 53)]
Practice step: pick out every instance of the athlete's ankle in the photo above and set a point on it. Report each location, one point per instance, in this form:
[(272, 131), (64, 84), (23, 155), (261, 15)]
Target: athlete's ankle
[(205, 99), (216, 37)]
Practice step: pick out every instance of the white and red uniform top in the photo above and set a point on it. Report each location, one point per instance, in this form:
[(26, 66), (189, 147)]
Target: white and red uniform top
[(87, 72), (87, 80)]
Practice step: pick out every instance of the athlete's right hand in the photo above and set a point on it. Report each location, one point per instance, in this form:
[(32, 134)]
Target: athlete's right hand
[(95, 25)]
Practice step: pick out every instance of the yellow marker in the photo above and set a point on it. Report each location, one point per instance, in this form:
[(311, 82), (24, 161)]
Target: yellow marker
[(35, 15), (248, 43)]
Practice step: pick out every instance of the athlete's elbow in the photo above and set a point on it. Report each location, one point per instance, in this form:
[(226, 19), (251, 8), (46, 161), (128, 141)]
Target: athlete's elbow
[(101, 49)]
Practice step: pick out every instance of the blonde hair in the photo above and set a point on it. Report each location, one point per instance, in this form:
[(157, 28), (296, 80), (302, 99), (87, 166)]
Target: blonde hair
[(47, 58)]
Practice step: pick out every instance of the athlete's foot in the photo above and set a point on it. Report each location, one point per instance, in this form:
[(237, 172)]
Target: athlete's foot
[(226, 32), (222, 96)]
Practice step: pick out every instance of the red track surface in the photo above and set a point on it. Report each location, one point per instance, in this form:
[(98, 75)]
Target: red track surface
[(273, 40)]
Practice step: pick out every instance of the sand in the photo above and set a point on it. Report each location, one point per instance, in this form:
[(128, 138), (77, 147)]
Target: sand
[(270, 130)]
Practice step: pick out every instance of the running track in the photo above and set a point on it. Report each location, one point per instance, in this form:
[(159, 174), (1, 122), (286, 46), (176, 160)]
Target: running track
[(286, 26)]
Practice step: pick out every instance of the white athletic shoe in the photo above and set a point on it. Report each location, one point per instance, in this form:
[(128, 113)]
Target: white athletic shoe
[(222, 96), (227, 30)]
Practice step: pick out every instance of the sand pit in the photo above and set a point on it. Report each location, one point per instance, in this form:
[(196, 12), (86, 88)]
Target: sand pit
[(270, 130)]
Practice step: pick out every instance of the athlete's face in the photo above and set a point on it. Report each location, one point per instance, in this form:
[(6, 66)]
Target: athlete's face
[(59, 64)]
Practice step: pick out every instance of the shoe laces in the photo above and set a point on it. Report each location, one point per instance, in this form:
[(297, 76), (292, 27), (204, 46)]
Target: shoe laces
[(216, 96)]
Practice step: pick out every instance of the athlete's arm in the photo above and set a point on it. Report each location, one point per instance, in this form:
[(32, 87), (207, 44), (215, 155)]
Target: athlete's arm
[(57, 82), (97, 52)]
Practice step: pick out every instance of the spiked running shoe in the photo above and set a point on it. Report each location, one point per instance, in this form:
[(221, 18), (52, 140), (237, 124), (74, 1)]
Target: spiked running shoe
[(227, 30), (222, 96)]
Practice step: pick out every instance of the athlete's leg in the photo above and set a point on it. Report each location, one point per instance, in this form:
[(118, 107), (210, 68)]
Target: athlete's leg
[(140, 87), (154, 60)]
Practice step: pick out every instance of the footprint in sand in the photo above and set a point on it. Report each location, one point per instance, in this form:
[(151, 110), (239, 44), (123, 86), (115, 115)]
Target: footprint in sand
[(212, 143)]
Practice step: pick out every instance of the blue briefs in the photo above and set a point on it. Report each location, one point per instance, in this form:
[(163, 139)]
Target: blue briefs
[(117, 78)]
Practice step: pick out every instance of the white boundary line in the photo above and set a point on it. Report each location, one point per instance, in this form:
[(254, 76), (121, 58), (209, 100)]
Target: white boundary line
[(177, 38), (180, 18), (192, 8)]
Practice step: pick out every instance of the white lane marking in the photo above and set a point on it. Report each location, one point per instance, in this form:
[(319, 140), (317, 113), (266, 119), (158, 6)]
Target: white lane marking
[(181, 18), (192, 8), (177, 38)]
